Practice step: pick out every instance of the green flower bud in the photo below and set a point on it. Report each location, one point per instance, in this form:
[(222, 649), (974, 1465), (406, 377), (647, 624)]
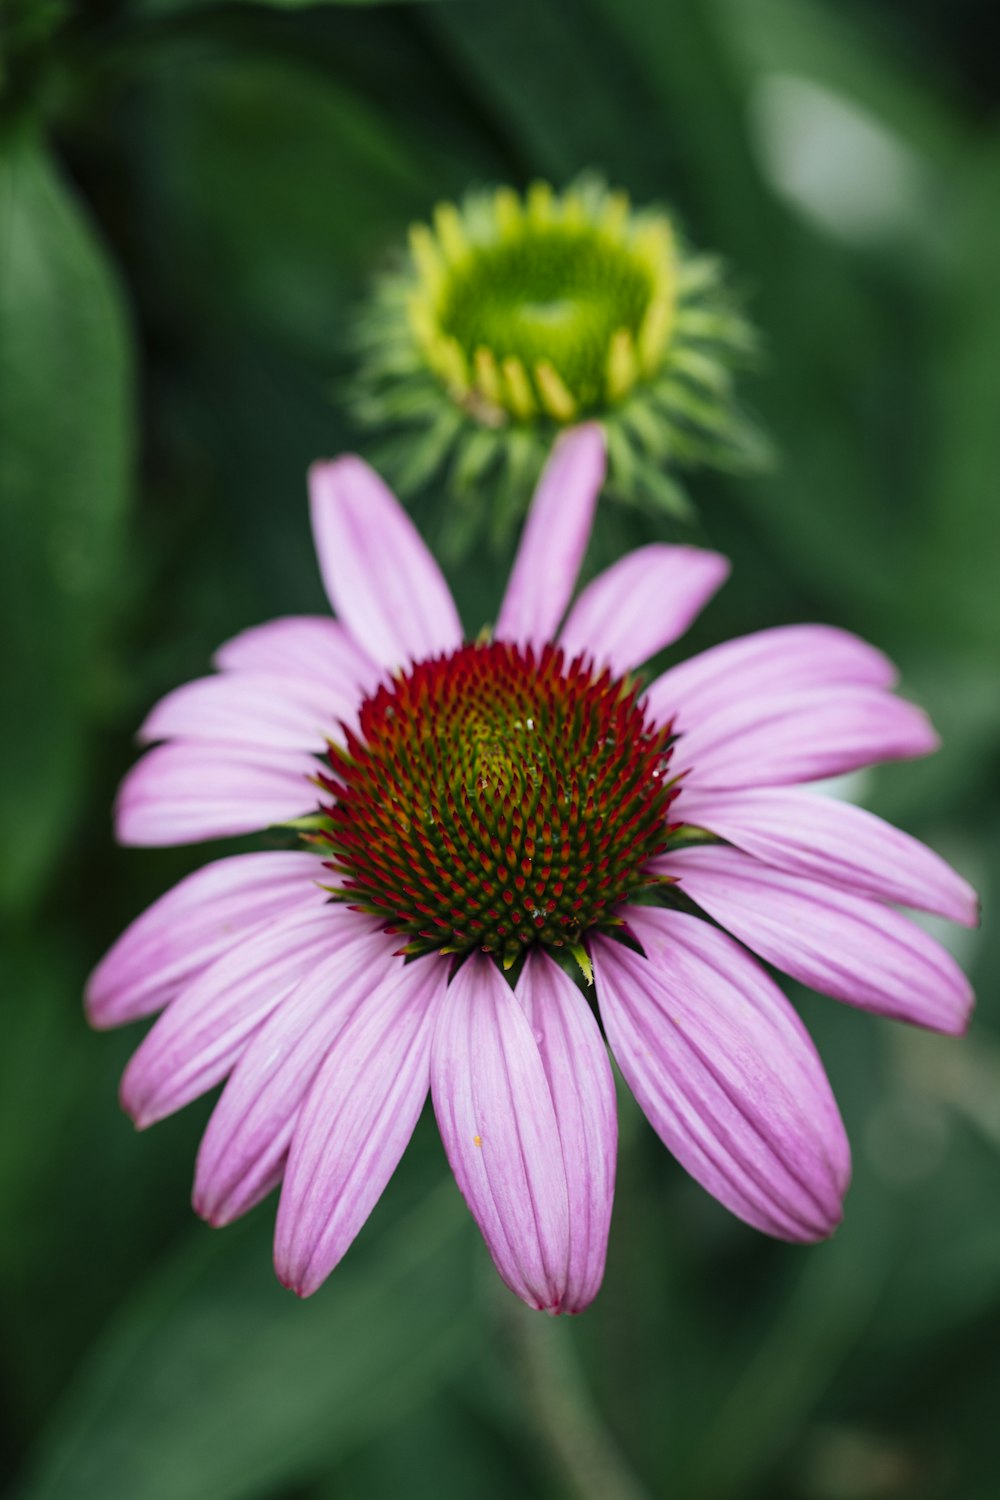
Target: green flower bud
[(515, 316)]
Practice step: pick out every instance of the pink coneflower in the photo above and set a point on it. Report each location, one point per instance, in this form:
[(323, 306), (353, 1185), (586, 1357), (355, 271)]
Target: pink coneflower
[(518, 808)]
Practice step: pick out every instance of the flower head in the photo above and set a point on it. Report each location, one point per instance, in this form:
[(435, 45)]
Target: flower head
[(517, 316), (497, 798), (479, 821)]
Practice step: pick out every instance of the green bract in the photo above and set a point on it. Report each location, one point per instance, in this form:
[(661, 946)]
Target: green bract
[(515, 316)]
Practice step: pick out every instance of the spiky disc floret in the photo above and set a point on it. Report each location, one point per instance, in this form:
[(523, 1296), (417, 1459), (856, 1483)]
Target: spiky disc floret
[(516, 316), (494, 798)]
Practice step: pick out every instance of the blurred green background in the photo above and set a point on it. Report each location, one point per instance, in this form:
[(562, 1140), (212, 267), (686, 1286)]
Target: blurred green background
[(192, 197)]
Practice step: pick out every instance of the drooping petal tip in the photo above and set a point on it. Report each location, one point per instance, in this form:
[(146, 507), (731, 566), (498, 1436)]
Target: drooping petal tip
[(501, 1134), (725, 1072), (808, 833), (840, 943), (582, 1090), (245, 1146), (355, 1124)]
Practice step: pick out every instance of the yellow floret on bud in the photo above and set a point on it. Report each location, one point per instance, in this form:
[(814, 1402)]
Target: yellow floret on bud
[(555, 398), (520, 394), (451, 232), (623, 367)]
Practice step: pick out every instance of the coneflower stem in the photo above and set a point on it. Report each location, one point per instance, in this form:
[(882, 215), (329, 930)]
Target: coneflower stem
[(568, 1421)]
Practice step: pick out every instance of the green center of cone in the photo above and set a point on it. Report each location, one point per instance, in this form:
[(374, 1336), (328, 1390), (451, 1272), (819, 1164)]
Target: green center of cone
[(554, 296), (548, 305)]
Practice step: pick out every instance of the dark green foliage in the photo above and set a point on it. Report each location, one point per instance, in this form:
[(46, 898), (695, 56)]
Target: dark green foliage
[(193, 197), (65, 450)]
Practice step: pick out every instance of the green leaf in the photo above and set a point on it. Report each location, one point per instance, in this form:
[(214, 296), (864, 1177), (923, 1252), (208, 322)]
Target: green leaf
[(215, 1383), (276, 190), (65, 459)]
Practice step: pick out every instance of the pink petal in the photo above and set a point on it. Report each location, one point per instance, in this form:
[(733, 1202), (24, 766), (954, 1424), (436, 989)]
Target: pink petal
[(356, 1123), (801, 736), (307, 646), (725, 1072), (844, 945), (244, 1147), (204, 916), (809, 834), (641, 604), (500, 1132), (554, 539), (582, 1088), (181, 793), (380, 577), (251, 709), (196, 1042), (786, 659)]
